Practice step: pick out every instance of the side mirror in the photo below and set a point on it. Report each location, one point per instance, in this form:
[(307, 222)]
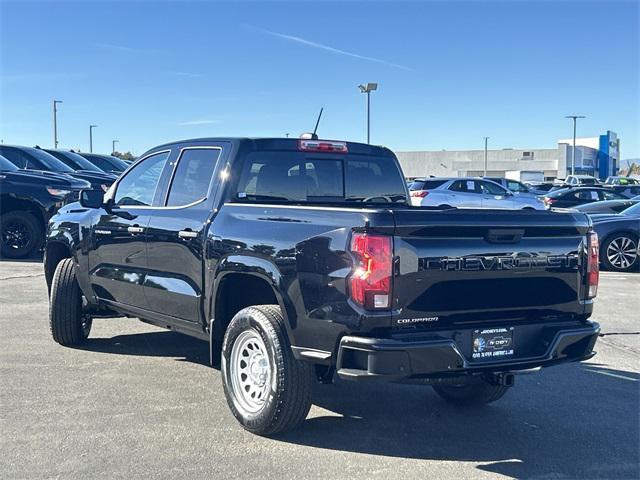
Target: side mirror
[(91, 198)]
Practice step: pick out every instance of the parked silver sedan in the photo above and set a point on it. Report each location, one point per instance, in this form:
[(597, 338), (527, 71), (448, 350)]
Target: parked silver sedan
[(468, 192)]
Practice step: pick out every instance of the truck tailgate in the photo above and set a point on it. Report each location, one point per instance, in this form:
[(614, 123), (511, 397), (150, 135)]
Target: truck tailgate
[(460, 267)]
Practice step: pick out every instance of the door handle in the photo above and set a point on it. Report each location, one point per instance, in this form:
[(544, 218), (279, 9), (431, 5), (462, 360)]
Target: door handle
[(187, 234), (135, 229)]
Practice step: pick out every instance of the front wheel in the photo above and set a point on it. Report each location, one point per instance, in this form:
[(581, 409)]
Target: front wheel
[(68, 325), (21, 234), (479, 392), (267, 389), (620, 252)]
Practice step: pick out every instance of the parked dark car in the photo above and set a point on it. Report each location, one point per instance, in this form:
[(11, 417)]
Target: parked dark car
[(542, 186), (108, 163), (37, 159), (27, 200), (618, 236), (607, 206), (628, 191), (79, 163), (572, 197), (301, 259)]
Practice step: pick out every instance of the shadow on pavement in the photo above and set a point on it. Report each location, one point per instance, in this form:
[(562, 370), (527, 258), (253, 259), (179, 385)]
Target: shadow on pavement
[(571, 421), (152, 344), (567, 423)]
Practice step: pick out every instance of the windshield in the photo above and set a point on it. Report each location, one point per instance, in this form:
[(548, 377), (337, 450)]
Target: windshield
[(74, 161), (634, 210), (6, 165), (309, 177), (107, 163), (44, 161)]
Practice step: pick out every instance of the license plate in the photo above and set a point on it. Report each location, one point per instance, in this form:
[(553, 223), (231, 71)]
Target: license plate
[(492, 343)]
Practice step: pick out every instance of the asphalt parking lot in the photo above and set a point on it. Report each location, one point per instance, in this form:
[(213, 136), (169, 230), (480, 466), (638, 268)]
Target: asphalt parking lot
[(137, 401)]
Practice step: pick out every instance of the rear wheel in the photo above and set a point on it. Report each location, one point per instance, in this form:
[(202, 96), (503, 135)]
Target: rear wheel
[(267, 389), (69, 326), (21, 234), (479, 392), (620, 252)]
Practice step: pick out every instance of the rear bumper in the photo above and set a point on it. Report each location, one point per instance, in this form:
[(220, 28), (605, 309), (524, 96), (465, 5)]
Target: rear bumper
[(363, 358)]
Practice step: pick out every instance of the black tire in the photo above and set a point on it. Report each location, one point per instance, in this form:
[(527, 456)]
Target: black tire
[(67, 323), (21, 234), (616, 242), (476, 393), (287, 392)]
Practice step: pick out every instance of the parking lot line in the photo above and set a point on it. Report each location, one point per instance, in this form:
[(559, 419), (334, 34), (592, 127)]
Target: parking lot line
[(615, 375)]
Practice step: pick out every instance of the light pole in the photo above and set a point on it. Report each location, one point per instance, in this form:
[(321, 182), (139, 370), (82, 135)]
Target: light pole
[(113, 146), (91, 127), (368, 88), (485, 155), (55, 123), (573, 152)]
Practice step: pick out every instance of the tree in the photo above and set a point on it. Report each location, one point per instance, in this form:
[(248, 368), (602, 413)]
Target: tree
[(124, 156)]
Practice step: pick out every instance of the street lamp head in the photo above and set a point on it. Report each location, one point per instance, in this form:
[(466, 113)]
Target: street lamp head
[(369, 87)]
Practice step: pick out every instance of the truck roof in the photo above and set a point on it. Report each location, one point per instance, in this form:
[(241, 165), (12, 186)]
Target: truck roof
[(276, 143)]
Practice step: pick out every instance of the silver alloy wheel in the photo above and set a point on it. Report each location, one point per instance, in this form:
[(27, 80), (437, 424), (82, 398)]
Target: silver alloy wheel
[(250, 371), (622, 252)]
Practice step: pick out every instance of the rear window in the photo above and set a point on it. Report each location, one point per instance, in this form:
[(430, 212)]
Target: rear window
[(300, 177), (425, 184)]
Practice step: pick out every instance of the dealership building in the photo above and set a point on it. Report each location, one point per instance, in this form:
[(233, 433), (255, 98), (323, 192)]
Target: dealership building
[(598, 156)]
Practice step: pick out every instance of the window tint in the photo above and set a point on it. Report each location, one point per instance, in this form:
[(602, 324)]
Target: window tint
[(587, 195), (468, 186), (192, 176), (14, 156), (426, 184), (6, 165), (491, 188), (139, 185), (306, 178), (612, 196), (515, 186)]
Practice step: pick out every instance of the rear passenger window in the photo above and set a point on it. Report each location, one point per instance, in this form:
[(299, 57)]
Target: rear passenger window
[(468, 186), (193, 176)]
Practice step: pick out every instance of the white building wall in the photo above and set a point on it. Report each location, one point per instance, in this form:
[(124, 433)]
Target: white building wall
[(471, 162)]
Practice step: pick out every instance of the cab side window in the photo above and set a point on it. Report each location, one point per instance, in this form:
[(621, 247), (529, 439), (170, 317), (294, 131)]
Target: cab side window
[(192, 176), (464, 186), (138, 186), (489, 188)]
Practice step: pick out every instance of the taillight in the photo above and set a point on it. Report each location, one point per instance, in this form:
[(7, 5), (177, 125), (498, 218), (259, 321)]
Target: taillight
[(419, 193), (370, 282), (549, 201), (322, 146), (593, 264)]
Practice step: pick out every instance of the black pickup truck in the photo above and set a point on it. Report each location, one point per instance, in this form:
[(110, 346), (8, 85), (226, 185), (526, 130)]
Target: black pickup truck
[(302, 259)]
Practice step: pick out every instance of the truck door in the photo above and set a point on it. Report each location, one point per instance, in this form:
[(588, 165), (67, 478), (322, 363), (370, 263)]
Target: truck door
[(118, 257), (175, 236)]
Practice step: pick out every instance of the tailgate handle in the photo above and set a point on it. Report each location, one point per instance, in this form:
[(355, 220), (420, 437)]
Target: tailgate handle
[(504, 236)]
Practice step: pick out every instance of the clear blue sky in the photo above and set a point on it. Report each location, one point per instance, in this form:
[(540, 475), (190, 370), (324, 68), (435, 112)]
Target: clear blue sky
[(449, 72)]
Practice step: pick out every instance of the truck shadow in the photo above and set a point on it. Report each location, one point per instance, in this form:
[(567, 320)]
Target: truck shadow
[(573, 421), (570, 421), (162, 343)]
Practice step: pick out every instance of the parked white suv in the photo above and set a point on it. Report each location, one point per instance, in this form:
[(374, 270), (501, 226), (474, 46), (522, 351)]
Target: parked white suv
[(468, 192)]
